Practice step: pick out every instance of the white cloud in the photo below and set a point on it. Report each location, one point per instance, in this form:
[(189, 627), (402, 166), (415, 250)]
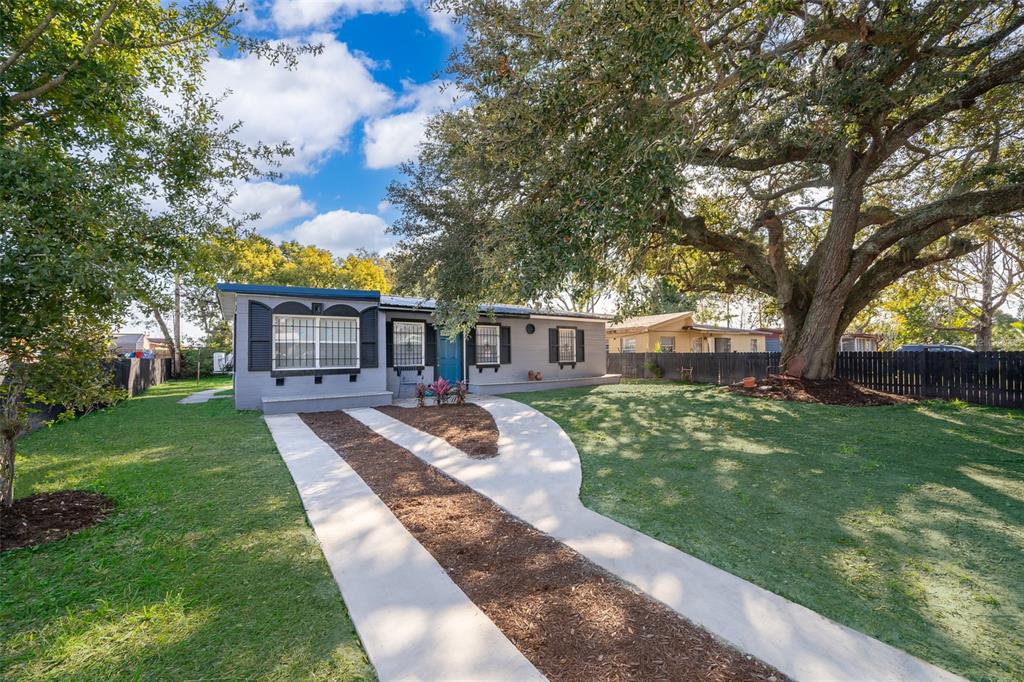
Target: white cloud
[(383, 206), (343, 232), (300, 14), (312, 107), (390, 140), (277, 204)]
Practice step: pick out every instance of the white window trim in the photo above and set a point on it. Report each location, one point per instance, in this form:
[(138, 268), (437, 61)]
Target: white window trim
[(622, 344), (575, 350), (662, 345), (423, 341), (316, 343), (476, 336)]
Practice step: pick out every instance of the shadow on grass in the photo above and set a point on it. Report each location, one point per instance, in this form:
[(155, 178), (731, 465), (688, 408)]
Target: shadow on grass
[(206, 568), (904, 522)]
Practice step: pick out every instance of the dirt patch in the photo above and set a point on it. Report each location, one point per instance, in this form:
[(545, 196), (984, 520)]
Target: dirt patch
[(829, 392), (45, 517), (572, 619), (469, 428)]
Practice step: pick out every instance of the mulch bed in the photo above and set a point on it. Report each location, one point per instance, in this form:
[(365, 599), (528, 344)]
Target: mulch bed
[(45, 517), (828, 392), (469, 428), (570, 618)]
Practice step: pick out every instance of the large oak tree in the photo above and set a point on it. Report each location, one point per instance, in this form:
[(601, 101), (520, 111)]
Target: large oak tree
[(814, 151)]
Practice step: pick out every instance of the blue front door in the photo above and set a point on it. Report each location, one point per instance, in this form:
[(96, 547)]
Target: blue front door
[(449, 357)]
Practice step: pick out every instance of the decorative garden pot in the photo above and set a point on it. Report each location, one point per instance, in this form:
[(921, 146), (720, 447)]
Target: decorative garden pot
[(529, 375), (538, 376), (749, 382)]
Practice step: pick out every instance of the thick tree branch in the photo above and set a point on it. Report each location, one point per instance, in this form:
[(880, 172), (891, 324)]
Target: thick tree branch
[(693, 231), (953, 212), (32, 37), (1004, 71)]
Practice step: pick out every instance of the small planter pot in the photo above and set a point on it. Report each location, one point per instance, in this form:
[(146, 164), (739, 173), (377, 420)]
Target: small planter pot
[(538, 376), (530, 376), (749, 382)]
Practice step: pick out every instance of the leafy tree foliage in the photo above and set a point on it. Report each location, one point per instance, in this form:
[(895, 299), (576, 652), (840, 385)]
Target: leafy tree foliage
[(814, 152), (101, 118)]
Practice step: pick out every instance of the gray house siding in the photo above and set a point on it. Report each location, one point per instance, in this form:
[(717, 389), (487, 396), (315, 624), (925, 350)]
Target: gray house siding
[(258, 390), (530, 351), (402, 384)]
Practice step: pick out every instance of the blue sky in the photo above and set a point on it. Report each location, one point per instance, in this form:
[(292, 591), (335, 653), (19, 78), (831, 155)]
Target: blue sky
[(352, 114)]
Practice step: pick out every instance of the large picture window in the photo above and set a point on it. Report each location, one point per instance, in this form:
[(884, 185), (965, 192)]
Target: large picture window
[(409, 339), (488, 338), (628, 345), (304, 342), (566, 345)]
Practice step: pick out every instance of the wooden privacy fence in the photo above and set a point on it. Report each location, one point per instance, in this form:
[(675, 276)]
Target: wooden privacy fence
[(137, 374), (985, 378)]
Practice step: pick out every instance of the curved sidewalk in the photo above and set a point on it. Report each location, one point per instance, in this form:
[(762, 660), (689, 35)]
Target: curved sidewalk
[(536, 476), (413, 621)]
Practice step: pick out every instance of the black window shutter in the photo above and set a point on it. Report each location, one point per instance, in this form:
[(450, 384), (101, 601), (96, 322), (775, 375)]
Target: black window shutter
[(260, 331), (430, 346), (368, 338), (580, 355), (553, 344), (389, 343), (506, 345), (470, 348)]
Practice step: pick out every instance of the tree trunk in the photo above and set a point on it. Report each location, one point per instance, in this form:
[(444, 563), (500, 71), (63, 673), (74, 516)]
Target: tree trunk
[(175, 353), (12, 424), (983, 331), (810, 344), (176, 362)]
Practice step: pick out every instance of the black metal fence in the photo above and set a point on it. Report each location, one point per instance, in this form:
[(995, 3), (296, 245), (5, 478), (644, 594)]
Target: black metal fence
[(137, 374), (994, 378)]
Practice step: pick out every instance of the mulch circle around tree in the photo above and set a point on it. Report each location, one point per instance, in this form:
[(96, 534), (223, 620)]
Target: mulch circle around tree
[(570, 618), (469, 428), (827, 392), (45, 517)]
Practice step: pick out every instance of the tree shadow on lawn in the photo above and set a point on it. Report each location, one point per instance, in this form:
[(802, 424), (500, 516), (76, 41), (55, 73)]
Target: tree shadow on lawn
[(904, 522), (206, 567)]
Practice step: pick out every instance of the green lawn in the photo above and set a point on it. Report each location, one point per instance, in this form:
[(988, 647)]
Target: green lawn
[(906, 523), (206, 570)]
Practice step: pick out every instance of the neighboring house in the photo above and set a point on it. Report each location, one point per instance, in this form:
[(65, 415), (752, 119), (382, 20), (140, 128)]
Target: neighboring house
[(679, 333), (300, 349), (855, 341), (140, 342)]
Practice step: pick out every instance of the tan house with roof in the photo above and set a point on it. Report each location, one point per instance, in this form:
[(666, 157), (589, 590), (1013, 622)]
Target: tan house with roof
[(679, 333)]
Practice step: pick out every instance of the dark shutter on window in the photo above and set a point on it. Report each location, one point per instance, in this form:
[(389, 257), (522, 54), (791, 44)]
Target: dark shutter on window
[(580, 355), (260, 331), (430, 346), (506, 346), (389, 343), (470, 348), (553, 344), (368, 338)]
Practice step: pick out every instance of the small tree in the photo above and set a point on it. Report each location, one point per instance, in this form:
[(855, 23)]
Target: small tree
[(67, 366)]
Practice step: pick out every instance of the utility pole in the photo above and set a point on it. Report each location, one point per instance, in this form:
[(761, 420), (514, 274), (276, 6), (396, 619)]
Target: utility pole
[(177, 325)]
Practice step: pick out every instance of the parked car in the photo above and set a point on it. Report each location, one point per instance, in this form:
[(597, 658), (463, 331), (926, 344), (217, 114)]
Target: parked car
[(941, 347)]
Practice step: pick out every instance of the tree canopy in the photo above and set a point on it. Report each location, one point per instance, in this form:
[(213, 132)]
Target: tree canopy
[(102, 119), (815, 152)]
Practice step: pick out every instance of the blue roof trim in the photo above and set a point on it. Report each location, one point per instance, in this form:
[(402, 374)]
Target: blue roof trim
[(303, 292)]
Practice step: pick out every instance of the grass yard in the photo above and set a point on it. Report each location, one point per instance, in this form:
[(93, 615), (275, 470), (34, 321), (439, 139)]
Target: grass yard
[(906, 522), (205, 570)]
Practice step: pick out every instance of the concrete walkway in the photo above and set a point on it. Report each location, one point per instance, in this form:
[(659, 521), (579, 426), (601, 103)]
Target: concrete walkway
[(203, 396), (536, 476), (414, 622)]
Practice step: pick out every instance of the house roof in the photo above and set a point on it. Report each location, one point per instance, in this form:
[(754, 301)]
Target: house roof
[(645, 322), (639, 325), (507, 309), (387, 302)]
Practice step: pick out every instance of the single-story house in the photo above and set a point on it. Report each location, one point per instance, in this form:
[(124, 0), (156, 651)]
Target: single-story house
[(853, 341), (679, 333), (299, 349)]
